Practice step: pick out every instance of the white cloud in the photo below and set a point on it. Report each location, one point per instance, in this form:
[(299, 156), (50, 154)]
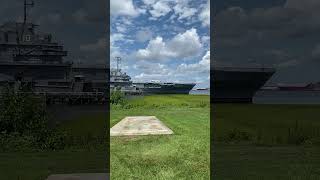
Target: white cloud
[(156, 50), (54, 17), (101, 44), (183, 73), (116, 37), (186, 44), (80, 15), (152, 71), (316, 52), (123, 7), (203, 66), (149, 2), (204, 15), (160, 8), (289, 63), (183, 45), (152, 68), (205, 40), (183, 11), (144, 35), (121, 28)]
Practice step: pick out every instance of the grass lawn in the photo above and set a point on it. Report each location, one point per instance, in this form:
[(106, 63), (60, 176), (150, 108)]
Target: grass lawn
[(39, 165), (266, 141), (184, 155), (250, 142), (85, 158)]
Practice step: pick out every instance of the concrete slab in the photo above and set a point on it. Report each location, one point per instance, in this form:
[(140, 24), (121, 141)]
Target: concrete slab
[(139, 125), (84, 176)]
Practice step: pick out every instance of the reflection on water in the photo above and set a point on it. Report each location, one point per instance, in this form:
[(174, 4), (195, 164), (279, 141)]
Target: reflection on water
[(203, 92), (287, 97)]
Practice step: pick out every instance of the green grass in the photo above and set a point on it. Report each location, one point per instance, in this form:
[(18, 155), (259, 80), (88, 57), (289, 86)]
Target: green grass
[(267, 124), (250, 162), (39, 165), (184, 155), (251, 142), (266, 142), (84, 155)]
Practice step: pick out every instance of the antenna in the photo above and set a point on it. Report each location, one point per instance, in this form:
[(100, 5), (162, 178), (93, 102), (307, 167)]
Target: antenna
[(118, 59), (26, 4)]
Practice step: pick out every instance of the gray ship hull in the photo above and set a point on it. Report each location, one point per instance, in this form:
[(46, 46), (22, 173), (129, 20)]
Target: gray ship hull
[(166, 88), (238, 84)]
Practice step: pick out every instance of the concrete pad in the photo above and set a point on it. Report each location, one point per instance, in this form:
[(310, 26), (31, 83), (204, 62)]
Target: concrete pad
[(84, 176), (139, 125)]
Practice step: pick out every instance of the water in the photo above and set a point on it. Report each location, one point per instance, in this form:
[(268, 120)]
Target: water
[(279, 97), (287, 97), (201, 92)]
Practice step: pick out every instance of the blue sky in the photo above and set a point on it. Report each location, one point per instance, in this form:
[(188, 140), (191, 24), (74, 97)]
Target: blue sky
[(166, 40)]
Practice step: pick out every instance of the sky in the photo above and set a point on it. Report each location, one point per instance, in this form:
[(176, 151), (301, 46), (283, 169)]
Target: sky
[(278, 33), (165, 40), (80, 27), (168, 40)]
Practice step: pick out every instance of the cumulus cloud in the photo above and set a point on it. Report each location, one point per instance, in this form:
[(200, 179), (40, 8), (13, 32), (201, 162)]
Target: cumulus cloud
[(116, 37), (80, 15), (289, 63), (144, 35), (310, 6), (152, 68), (204, 15), (183, 11), (183, 45), (149, 2), (152, 71), (160, 8), (123, 7), (101, 44), (183, 73), (316, 52), (205, 40), (203, 66)]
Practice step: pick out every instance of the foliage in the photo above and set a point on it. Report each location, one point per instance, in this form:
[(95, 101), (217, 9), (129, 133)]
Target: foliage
[(117, 97), (21, 113), (24, 124)]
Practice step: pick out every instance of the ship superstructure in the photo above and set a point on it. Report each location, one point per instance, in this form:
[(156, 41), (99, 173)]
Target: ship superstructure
[(28, 56), (23, 51)]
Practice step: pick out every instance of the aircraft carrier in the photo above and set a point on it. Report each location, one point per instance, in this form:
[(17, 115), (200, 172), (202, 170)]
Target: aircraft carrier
[(121, 81), (238, 84), (157, 87)]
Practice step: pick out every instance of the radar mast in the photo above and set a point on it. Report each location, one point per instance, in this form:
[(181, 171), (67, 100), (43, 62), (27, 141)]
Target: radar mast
[(26, 4), (118, 59)]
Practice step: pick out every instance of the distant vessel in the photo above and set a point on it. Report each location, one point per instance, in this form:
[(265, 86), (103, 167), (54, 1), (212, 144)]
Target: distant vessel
[(294, 87), (237, 84), (122, 81), (165, 87), (203, 89)]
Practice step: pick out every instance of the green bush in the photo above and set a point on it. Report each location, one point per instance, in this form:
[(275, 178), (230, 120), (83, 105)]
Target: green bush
[(21, 112), (117, 97), (15, 142), (24, 123)]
